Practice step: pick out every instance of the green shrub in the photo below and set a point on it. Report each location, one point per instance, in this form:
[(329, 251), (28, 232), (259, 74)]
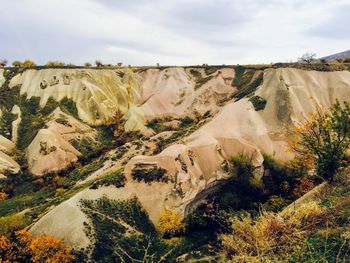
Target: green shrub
[(121, 229), (11, 223), (324, 139), (279, 179), (115, 178), (80, 173), (148, 175), (331, 248), (196, 74), (210, 69), (258, 102), (200, 81), (6, 124), (62, 121), (32, 121), (239, 71), (68, 106), (157, 125), (9, 97), (243, 77), (275, 203), (187, 121), (22, 201), (50, 106), (248, 87), (242, 166), (242, 190)]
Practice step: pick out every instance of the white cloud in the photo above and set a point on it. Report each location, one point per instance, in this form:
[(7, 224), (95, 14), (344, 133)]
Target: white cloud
[(169, 32)]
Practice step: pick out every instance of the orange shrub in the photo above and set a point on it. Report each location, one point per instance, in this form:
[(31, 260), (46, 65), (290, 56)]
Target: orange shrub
[(3, 196), (304, 186), (23, 247)]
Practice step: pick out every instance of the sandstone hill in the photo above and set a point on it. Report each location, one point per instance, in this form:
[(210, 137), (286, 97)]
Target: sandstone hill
[(170, 132)]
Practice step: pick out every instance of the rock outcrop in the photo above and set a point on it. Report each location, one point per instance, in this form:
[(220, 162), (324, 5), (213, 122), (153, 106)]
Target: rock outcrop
[(98, 94), (51, 150), (7, 164), (198, 164)]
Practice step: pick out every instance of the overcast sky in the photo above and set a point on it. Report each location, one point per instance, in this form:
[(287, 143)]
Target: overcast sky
[(172, 32)]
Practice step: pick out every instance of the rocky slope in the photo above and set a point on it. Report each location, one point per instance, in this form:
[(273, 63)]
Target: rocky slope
[(341, 55), (214, 113)]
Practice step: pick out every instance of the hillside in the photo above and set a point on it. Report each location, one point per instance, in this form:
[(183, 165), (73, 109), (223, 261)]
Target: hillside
[(341, 55), (105, 159)]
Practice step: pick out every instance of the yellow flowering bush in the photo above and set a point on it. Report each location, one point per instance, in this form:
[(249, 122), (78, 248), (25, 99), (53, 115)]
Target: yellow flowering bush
[(171, 223)]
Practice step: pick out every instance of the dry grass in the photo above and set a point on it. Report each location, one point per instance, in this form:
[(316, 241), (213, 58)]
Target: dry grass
[(271, 237)]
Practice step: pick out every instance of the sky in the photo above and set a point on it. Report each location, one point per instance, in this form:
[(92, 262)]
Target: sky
[(172, 32)]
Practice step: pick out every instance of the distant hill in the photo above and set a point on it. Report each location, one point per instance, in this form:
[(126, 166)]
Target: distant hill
[(345, 54)]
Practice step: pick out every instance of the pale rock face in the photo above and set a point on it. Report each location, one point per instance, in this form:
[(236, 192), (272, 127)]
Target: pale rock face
[(51, 149), (49, 152), (2, 78), (71, 129), (200, 164), (6, 145), (239, 129), (7, 164), (98, 94), (17, 111), (142, 96), (171, 92)]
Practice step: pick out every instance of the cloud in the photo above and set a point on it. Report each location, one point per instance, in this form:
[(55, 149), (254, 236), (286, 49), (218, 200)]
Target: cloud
[(171, 32), (336, 24)]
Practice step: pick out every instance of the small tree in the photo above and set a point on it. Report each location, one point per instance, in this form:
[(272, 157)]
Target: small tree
[(16, 64), (98, 63), (307, 58), (3, 63), (55, 64), (324, 138), (28, 64), (87, 64)]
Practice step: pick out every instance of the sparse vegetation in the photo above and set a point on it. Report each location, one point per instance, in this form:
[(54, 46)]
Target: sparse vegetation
[(68, 106), (130, 234), (241, 216), (62, 121), (11, 223), (271, 237), (6, 124), (157, 125), (200, 80), (28, 64), (307, 58), (3, 63), (32, 121), (258, 102), (211, 69), (115, 178), (150, 174), (247, 84), (99, 63), (55, 64), (171, 223), (81, 172), (323, 139)]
